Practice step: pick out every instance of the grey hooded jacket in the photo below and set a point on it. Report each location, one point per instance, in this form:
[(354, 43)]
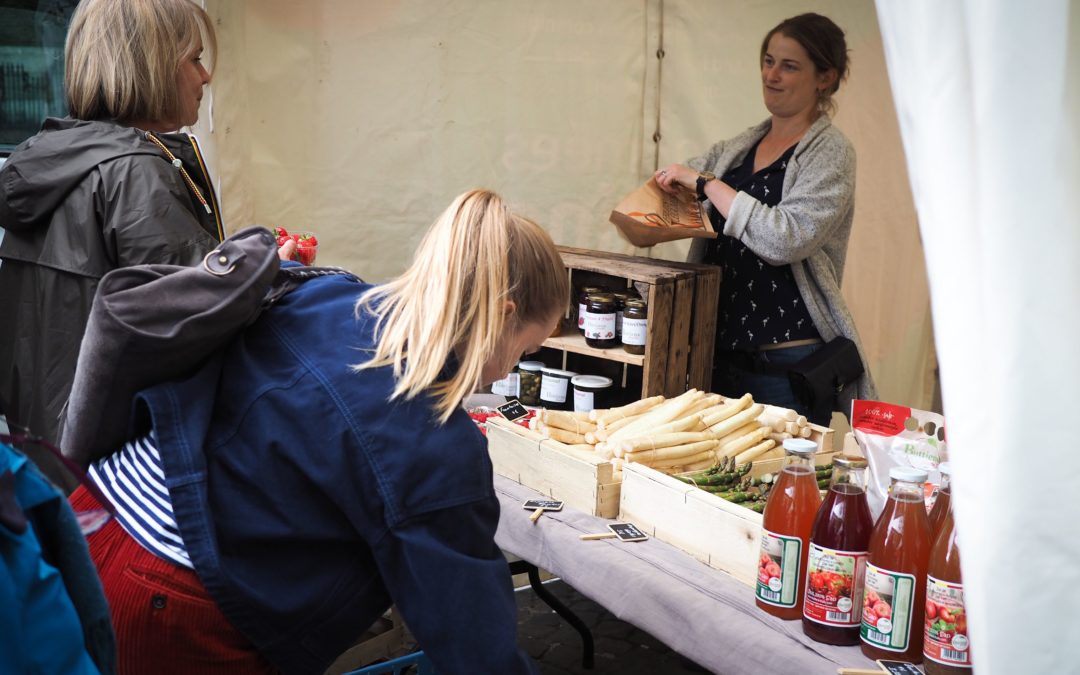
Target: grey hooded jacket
[(808, 229), (77, 200)]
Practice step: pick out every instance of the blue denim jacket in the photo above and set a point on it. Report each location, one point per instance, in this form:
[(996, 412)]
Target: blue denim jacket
[(309, 502)]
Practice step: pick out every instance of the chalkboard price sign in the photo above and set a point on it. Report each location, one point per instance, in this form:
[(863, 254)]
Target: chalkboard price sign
[(899, 667), (513, 410), (627, 532), (545, 504)]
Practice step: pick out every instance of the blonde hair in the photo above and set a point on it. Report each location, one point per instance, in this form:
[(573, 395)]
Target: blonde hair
[(452, 298), (122, 57)]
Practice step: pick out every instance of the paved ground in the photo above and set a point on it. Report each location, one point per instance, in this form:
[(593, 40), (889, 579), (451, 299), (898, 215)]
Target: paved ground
[(620, 647)]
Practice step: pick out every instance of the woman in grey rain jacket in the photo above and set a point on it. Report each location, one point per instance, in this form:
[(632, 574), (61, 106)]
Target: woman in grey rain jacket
[(110, 186)]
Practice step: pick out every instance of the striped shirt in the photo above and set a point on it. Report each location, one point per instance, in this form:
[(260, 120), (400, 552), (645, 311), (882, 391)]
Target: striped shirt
[(135, 483)]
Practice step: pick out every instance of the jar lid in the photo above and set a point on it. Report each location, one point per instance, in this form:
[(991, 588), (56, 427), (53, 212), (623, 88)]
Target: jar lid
[(622, 294), (850, 461), (601, 297), (591, 381), (800, 446), (592, 289), (945, 468), (530, 365), (908, 474), (558, 372), (636, 303)]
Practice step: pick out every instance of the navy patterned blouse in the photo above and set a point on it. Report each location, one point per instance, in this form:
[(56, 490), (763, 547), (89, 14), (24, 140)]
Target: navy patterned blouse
[(759, 303)]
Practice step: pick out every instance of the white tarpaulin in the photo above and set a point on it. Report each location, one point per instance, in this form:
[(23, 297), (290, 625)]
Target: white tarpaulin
[(988, 96)]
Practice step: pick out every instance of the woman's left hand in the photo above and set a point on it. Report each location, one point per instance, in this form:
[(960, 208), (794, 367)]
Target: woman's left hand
[(674, 177)]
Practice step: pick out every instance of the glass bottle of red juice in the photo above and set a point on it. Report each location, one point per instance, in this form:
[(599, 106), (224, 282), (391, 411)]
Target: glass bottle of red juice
[(836, 564), (945, 643), (894, 600), (785, 536), (943, 501)]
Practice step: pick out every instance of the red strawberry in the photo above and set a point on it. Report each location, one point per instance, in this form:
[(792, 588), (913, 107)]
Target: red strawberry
[(280, 232), (282, 239), (305, 250)]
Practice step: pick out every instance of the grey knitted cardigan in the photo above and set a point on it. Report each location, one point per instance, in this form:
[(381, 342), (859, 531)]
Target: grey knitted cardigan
[(808, 229)]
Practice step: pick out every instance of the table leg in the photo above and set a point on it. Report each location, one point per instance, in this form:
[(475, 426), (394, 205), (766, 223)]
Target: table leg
[(519, 566)]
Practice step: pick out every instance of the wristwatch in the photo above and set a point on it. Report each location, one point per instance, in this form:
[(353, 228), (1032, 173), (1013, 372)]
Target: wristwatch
[(702, 178)]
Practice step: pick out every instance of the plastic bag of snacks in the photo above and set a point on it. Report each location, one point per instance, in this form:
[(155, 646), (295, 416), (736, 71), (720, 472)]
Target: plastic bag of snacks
[(893, 435)]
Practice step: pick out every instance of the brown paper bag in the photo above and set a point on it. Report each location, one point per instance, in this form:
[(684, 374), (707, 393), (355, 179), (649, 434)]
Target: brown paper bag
[(649, 216)]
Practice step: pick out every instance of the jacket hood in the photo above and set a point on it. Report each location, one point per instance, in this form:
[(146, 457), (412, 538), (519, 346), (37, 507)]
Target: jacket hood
[(41, 172)]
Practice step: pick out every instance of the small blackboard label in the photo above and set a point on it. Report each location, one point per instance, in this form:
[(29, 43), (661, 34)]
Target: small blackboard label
[(899, 667), (513, 410), (627, 532), (546, 504)]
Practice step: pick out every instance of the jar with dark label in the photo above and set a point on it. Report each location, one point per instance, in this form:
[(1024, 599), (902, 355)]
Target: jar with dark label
[(591, 392), (620, 303), (635, 326), (583, 300), (555, 388), (529, 382), (600, 321)]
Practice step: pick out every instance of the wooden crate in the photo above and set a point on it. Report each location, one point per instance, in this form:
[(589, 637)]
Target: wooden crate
[(581, 479), (682, 299), (723, 535)]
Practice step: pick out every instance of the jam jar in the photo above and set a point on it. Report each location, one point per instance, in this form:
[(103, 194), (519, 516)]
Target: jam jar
[(620, 302), (583, 300), (529, 381), (555, 392), (600, 321), (635, 326)]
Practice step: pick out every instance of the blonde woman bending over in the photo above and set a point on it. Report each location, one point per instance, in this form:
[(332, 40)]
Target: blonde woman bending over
[(322, 468)]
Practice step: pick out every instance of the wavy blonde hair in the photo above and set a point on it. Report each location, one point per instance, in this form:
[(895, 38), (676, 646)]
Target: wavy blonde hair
[(122, 57), (452, 299)]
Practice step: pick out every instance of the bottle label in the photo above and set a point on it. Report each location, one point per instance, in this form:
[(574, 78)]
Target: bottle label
[(583, 400), (553, 389), (581, 316), (888, 605), (834, 584), (945, 638), (778, 569), (508, 386), (600, 326), (633, 331)]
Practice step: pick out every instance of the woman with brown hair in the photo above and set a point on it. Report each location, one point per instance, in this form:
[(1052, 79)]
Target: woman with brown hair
[(110, 186), (322, 468), (782, 195)]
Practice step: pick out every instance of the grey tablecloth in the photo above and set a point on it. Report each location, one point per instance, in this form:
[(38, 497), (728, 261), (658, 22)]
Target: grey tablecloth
[(700, 612)]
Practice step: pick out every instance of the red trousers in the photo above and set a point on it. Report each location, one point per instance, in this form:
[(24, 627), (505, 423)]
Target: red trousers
[(165, 621)]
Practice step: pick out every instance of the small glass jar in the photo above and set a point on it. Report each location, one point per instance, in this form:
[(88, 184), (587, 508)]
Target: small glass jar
[(555, 388), (600, 321), (583, 301), (620, 304), (509, 386), (635, 326), (529, 382), (590, 392)]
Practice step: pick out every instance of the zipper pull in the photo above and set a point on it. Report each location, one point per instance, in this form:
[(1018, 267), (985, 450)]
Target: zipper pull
[(207, 207)]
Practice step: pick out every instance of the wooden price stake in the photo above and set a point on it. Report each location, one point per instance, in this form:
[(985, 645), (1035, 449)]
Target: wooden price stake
[(624, 531), (538, 506)]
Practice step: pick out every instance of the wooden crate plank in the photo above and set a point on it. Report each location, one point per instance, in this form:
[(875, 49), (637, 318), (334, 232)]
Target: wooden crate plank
[(575, 342), (703, 328), (661, 307), (615, 264), (722, 535), (679, 336)]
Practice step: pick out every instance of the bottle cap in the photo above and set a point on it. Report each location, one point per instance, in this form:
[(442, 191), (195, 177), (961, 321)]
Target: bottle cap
[(945, 468), (800, 446), (530, 365), (850, 461), (591, 381), (908, 473)]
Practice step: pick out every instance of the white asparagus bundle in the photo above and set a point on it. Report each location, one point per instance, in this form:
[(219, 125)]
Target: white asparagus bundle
[(604, 432), (605, 451), (792, 428), (561, 435), (745, 429), (605, 417), (780, 437), (805, 433), (673, 452), (671, 465), (754, 452), (801, 421), (775, 452), (691, 424), (706, 402), (772, 414), (654, 441), (736, 421), (731, 407), (697, 466), (734, 447), (670, 410), (566, 420)]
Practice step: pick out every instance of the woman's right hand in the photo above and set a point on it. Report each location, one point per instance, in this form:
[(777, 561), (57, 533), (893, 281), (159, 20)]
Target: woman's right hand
[(675, 177)]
